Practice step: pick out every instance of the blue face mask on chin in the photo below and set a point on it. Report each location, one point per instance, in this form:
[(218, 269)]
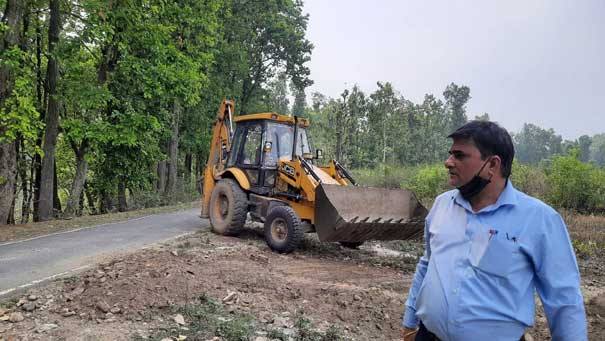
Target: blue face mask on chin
[(470, 189)]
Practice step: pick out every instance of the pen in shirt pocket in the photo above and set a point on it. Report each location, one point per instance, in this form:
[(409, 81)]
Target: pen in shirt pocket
[(492, 232)]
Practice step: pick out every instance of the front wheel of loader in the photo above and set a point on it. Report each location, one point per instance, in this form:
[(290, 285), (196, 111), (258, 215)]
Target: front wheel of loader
[(351, 245), (283, 229), (228, 208)]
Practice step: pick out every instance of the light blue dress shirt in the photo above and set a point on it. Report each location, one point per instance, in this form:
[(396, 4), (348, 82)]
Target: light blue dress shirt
[(477, 277)]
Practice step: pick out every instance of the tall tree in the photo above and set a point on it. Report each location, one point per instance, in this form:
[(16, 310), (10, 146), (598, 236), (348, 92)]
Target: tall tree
[(436, 127), (11, 20), (456, 97), (533, 144), (277, 95), (384, 109), (51, 131), (300, 102), (584, 143), (597, 149), (342, 114), (269, 37)]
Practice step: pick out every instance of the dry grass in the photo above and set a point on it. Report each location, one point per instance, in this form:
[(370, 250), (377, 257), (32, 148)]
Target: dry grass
[(25, 231), (587, 233)]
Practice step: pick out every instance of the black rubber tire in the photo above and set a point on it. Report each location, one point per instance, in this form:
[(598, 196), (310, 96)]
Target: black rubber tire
[(228, 208), (291, 226), (351, 245)]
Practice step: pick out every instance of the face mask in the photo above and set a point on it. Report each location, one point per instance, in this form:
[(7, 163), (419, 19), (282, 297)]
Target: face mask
[(475, 186)]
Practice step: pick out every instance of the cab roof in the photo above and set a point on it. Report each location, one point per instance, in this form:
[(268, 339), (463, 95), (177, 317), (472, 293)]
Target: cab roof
[(272, 116)]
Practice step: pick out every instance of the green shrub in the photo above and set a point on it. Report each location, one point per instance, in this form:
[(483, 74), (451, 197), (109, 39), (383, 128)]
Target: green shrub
[(585, 249), (428, 182), (597, 192), (383, 175), (574, 184), (530, 179)]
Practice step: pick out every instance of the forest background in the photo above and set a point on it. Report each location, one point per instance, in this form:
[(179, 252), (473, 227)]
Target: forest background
[(108, 105)]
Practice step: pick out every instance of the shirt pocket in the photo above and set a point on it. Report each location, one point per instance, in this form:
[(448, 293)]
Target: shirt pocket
[(493, 255)]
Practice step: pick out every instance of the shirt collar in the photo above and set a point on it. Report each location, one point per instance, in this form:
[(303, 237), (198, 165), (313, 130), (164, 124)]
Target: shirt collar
[(507, 197)]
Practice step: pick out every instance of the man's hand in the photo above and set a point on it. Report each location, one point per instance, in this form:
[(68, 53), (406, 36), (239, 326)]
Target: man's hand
[(409, 334)]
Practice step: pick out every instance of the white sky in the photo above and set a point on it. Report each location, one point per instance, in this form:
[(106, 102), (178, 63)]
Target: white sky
[(541, 62)]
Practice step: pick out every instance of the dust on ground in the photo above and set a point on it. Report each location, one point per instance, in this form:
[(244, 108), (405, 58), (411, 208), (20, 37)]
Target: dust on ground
[(209, 287)]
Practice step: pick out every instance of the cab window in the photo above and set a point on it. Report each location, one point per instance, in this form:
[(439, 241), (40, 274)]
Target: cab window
[(252, 145)]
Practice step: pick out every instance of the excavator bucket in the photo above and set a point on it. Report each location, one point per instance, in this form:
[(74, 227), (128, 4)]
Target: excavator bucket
[(355, 214)]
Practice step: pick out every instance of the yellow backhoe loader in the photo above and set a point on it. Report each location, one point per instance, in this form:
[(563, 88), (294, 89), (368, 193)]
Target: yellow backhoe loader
[(265, 167)]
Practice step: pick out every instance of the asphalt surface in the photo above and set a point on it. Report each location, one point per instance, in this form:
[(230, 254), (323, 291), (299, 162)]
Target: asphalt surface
[(29, 262)]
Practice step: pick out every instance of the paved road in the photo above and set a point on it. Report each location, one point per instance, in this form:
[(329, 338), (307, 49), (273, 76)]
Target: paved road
[(31, 261)]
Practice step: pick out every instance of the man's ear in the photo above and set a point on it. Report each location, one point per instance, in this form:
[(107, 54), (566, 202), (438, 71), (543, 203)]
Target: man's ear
[(494, 163)]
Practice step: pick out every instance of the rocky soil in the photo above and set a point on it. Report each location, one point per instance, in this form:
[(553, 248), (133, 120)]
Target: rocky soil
[(209, 287)]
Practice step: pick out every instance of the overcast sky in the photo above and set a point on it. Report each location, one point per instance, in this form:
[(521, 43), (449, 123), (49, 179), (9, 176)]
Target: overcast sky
[(541, 62)]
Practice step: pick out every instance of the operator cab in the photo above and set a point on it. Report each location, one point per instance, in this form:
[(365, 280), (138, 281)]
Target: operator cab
[(259, 142)]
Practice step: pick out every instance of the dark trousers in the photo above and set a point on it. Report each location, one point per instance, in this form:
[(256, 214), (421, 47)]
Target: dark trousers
[(425, 335)]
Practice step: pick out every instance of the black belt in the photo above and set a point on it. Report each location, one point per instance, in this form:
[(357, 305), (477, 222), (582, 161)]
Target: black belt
[(426, 335)]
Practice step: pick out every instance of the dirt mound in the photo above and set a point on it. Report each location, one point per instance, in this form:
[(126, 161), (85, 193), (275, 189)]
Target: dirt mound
[(350, 289), (206, 286)]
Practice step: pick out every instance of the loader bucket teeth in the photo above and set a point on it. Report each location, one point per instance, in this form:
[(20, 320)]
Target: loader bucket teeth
[(387, 214)]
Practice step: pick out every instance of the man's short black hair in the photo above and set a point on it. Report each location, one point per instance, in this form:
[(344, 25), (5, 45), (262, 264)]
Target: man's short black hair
[(490, 139)]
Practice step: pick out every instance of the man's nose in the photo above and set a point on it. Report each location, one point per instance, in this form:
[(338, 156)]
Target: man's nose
[(449, 162)]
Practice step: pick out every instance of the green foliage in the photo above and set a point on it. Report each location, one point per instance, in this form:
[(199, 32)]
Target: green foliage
[(530, 179), (238, 329), (277, 95), (585, 249), (597, 149), (575, 185), (456, 98), (364, 131), (262, 39), (273, 334), (305, 331), (208, 318), (428, 182), (533, 144), (383, 175), (19, 115)]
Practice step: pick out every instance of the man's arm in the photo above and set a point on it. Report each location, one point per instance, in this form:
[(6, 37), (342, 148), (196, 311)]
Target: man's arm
[(409, 318), (558, 281)]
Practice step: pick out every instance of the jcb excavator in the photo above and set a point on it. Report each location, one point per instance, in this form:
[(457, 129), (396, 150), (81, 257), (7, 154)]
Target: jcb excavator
[(266, 167)]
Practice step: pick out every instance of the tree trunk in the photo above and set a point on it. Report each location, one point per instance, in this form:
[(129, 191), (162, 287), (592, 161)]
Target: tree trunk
[(106, 203), (91, 200), (161, 185), (8, 169), (41, 106), (81, 203), (122, 203), (45, 206), (36, 178), (198, 171), (173, 150), (56, 201), (188, 166), (384, 140), (8, 156), (77, 185), (27, 194), (339, 124)]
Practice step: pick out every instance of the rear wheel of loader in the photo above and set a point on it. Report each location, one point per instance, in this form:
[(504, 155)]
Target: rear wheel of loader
[(351, 245), (283, 229), (228, 208)]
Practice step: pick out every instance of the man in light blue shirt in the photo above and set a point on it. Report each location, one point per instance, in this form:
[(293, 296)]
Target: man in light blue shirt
[(488, 248)]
